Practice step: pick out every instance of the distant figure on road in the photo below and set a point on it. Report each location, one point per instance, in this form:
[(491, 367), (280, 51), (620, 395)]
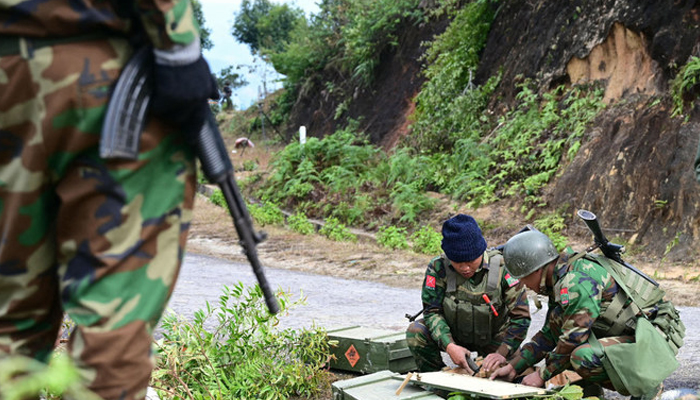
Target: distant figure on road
[(470, 303), (226, 99)]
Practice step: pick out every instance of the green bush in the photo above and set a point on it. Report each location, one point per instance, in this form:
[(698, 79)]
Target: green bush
[(250, 165), (217, 197), (344, 176), (241, 354), (392, 237), (266, 214), (686, 79), (299, 223), (449, 107), (336, 231), (551, 225), (427, 241)]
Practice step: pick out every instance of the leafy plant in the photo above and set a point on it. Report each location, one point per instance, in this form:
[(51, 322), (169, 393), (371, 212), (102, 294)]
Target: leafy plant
[(217, 197), (336, 231), (22, 377), (392, 237), (236, 350), (449, 106), (686, 79), (266, 214), (250, 165), (427, 241), (299, 223), (673, 243), (345, 177), (552, 225)]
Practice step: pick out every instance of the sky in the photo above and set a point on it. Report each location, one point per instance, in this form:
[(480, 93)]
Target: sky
[(218, 17)]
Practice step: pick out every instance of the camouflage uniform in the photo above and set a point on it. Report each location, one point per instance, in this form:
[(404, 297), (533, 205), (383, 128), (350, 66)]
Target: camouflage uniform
[(427, 337), (582, 291), (101, 240)]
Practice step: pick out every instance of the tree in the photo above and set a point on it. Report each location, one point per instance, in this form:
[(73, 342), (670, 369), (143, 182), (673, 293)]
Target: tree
[(228, 75), (264, 26), (204, 32)]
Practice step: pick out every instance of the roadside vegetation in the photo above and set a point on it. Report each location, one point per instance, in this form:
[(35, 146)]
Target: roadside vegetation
[(457, 146)]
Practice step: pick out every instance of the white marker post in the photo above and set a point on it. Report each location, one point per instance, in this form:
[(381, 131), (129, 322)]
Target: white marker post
[(302, 135)]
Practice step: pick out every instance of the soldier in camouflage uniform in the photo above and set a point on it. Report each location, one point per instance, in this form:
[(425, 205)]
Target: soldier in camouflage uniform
[(580, 291), (101, 240), (457, 317)]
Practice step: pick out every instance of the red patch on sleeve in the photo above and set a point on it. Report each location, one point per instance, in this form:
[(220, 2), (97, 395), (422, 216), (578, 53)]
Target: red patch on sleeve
[(430, 281), (564, 296), (511, 281)]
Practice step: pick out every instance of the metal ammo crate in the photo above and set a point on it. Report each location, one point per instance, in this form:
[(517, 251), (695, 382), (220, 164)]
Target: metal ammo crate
[(368, 350), (379, 386)]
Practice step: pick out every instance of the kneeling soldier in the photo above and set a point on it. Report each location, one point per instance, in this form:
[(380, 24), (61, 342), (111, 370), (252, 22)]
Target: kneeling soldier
[(470, 303), (587, 302)]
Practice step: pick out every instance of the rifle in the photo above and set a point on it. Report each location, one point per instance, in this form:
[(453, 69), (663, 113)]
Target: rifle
[(611, 250), (124, 121)]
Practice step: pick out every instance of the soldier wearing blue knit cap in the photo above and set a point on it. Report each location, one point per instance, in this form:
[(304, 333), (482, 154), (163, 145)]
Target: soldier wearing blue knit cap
[(470, 303)]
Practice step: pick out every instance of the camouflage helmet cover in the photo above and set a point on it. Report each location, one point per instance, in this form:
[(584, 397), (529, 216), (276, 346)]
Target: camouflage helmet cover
[(527, 252)]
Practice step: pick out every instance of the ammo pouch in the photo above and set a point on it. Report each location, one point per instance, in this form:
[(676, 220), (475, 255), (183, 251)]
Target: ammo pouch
[(668, 322), (474, 321), (637, 368)]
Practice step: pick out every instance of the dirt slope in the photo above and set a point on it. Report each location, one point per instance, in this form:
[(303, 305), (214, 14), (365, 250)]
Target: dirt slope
[(635, 167)]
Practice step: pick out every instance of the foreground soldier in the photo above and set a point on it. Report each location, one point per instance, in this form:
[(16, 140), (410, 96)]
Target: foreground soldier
[(101, 240), (585, 303), (458, 318)]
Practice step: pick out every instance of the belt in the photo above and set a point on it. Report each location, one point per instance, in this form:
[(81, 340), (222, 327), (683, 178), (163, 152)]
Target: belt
[(12, 45)]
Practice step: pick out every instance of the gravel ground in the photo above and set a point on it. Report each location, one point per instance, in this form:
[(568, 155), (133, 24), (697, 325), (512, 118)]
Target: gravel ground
[(335, 302)]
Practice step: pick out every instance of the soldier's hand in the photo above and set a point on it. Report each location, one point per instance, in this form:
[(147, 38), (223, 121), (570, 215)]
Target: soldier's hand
[(182, 85), (533, 380), (492, 362), (458, 355), (505, 373)]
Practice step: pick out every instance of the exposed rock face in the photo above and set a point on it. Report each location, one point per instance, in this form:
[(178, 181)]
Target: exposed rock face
[(623, 62), (635, 170)]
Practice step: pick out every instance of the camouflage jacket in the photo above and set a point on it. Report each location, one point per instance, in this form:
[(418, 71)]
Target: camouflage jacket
[(581, 290), (513, 296), (167, 23)]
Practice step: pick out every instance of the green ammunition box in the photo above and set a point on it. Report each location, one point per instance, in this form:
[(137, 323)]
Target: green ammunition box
[(379, 386), (368, 350)]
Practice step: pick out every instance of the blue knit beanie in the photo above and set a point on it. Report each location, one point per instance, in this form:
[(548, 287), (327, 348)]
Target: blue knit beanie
[(461, 239)]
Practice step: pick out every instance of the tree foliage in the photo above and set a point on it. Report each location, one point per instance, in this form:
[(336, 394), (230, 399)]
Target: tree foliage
[(264, 26), (229, 75)]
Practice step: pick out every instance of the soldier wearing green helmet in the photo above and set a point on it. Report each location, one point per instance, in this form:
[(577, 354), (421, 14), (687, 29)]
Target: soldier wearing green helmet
[(587, 305), (470, 303)]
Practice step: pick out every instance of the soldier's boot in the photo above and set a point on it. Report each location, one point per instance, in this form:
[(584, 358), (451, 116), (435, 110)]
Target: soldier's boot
[(592, 389), (650, 395)]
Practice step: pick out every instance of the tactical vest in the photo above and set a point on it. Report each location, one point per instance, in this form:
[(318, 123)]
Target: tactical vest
[(471, 320), (637, 295)]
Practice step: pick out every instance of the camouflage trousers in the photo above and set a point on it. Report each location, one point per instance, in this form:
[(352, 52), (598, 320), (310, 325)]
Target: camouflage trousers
[(426, 351), (99, 240), (585, 363)]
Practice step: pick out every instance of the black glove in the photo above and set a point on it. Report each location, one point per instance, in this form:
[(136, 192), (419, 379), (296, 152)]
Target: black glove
[(182, 87)]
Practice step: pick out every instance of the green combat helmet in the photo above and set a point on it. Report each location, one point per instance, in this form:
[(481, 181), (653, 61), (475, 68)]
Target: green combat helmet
[(527, 252)]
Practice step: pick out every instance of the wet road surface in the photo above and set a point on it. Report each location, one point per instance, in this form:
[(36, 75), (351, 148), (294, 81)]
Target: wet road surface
[(334, 302)]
